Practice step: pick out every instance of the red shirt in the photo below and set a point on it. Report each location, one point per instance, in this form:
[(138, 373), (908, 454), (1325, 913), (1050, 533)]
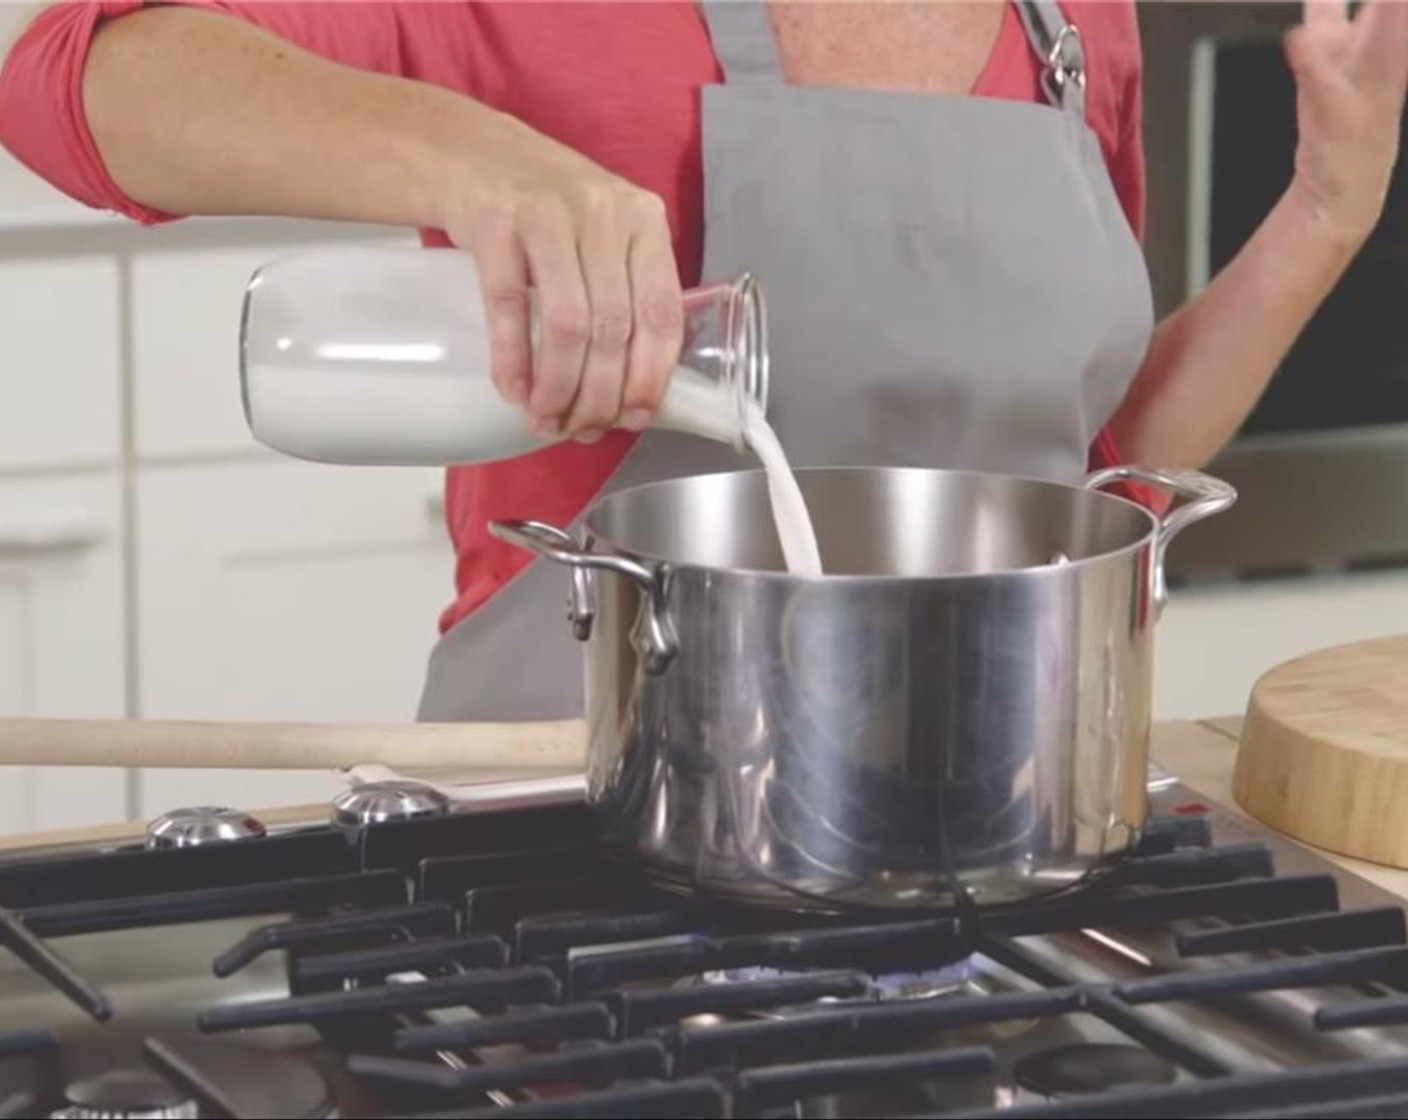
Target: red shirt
[(618, 82)]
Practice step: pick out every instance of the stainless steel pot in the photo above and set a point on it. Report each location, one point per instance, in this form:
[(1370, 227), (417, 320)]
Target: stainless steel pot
[(961, 705)]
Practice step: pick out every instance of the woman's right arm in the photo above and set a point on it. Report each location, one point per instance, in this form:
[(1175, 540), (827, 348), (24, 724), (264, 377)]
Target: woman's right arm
[(192, 111), (196, 112)]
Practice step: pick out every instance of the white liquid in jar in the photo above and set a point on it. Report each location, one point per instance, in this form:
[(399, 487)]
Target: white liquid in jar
[(428, 414)]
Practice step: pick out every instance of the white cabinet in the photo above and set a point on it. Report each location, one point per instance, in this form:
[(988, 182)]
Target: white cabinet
[(59, 377), (186, 318), (61, 637), (281, 590), (185, 337)]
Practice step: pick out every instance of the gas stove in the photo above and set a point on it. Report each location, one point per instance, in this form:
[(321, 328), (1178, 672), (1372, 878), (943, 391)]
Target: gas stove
[(407, 958)]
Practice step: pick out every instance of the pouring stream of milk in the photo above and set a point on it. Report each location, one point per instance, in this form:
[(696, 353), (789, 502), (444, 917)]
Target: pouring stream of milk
[(789, 509), (705, 408)]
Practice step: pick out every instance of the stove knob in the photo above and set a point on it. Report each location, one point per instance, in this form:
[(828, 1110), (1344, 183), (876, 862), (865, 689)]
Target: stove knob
[(204, 824), (378, 802)]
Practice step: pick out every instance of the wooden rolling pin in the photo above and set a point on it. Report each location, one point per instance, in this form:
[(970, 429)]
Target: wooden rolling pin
[(462, 747)]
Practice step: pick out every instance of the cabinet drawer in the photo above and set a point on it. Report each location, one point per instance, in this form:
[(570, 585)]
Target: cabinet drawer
[(282, 590), (61, 638), (186, 321), (60, 387)]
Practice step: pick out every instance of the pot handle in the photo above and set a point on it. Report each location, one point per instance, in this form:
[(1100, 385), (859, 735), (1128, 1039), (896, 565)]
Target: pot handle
[(1205, 496), (654, 635)]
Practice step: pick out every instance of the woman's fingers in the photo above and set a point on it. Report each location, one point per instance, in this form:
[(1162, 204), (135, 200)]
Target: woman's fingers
[(564, 315), (657, 310), (503, 277), (602, 247)]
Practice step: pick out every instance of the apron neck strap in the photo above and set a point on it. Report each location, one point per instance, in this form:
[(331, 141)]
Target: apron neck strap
[(743, 40), (746, 48), (1058, 47)]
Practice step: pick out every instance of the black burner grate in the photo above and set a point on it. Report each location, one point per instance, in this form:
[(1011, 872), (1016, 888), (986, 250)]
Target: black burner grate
[(593, 979)]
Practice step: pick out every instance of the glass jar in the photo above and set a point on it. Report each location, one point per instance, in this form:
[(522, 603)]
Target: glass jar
[(380, 355)]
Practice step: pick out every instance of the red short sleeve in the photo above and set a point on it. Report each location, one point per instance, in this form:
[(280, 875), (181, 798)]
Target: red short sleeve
[(42, 119)]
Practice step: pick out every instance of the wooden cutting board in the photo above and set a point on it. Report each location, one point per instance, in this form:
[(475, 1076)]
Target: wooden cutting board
[(1323, 752)]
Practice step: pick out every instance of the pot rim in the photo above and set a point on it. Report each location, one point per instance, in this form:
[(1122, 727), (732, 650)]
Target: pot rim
[(1146, 540)]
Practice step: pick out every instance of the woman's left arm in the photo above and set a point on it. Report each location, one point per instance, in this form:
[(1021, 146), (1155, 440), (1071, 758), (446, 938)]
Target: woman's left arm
[(1209, 362)]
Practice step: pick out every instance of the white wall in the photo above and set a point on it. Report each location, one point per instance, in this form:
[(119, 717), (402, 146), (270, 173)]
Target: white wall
[(1213, 643)]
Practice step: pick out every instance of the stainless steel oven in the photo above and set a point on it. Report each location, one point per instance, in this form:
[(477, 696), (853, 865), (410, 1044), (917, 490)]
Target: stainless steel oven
[(1322, 462)]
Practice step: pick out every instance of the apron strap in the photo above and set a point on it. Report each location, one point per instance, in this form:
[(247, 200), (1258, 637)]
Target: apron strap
[(746, 48), (743, 40), (1057, 44)]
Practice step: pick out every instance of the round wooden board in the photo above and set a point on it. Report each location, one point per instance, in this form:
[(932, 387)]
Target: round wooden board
[(1324, 750)]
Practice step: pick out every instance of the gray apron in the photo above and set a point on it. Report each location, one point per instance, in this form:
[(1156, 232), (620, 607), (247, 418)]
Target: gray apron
[(951, 283)]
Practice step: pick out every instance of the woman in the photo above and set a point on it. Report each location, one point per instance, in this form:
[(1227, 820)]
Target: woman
[(943, 202)]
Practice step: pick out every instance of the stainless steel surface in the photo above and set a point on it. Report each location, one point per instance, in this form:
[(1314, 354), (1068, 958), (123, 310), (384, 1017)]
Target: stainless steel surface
[(1206, 496), (204, 824), (1160, 778), (392, 800), (653, 635), (1271, 1030), (1309, 502), (531, 793), (947, 710)]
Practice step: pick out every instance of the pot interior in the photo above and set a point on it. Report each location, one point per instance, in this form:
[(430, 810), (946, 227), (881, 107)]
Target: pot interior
[(874, 522)]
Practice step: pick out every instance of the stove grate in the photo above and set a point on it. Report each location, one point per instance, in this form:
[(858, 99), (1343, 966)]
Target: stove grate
[(421, 920), (126, 873), (589, 1064), (532, 1026), (1248, 900), (640, 1009), (490, 989), (430, 954), (758, 1090), (22, 942), (1381, 1012), (1356, 929), (1391, 1107), (17, 1044), (1357, 966), (1325, 1086), (548, 944), (375, 888), (906, 946), (695, 1099), (1196, 866)]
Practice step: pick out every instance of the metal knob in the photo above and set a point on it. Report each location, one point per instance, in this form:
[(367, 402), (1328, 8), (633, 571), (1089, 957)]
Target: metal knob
[(378, 802), (204, 824)]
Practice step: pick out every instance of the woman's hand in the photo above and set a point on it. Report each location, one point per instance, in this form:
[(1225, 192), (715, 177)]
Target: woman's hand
[(596, 252), (1351, 76)]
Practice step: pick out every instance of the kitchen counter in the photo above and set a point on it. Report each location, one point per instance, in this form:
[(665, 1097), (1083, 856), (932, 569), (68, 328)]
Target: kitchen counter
[(1199, 753)]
